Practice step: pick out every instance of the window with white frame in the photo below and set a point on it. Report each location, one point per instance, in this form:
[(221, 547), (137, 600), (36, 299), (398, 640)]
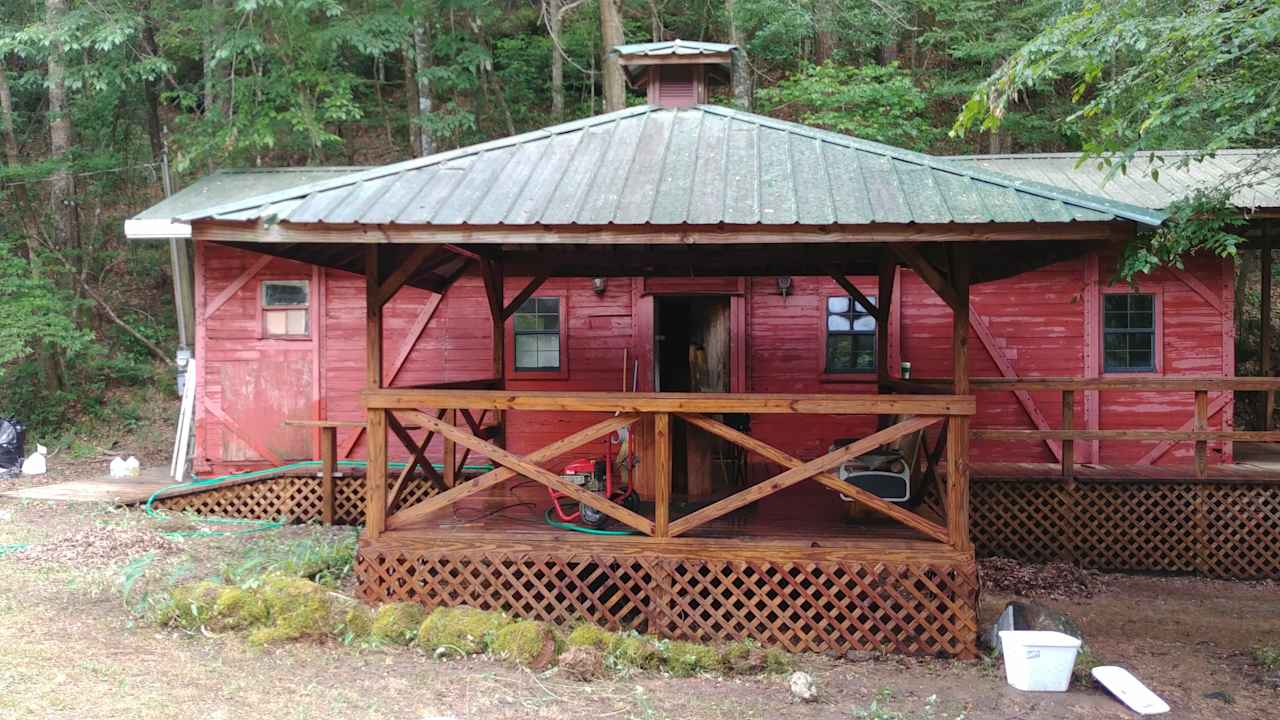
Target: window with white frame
[(536, 333), (286, 308)]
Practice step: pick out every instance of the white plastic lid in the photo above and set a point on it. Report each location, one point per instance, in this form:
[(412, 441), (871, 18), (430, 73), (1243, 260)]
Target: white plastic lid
[(1042, 638)]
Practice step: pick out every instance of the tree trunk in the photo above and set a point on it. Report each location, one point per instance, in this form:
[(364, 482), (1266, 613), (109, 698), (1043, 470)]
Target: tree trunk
[(151, 94), (422, 63), (62, 184), (555, 22), (615, 88), (50, 374), (824, 25), (411, 97), (740, 69)]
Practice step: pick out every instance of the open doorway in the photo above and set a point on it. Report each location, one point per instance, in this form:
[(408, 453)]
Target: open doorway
[(692, 352)]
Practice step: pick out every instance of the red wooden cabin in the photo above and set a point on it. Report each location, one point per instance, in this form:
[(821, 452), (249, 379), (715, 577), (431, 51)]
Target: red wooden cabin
[(745, 294)]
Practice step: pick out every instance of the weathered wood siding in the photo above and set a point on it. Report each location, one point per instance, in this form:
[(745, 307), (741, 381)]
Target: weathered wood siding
[(1042, 323)]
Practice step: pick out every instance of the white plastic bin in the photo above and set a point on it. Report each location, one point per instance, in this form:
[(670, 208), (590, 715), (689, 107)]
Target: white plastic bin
[(1038, 660)]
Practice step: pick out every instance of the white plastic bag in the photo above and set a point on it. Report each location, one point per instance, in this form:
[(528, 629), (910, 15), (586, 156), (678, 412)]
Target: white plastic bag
[(36, 463), (121, 468)]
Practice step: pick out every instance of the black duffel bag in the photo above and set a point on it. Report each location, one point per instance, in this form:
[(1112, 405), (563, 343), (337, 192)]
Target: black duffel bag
[(13, 444)]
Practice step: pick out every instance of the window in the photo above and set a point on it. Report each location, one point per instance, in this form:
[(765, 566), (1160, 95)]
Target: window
[(286, 308), (537, 335), (851, 336), (1129, 332)]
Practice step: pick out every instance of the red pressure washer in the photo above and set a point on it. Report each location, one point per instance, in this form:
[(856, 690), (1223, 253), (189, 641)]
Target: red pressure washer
[(597, 475)]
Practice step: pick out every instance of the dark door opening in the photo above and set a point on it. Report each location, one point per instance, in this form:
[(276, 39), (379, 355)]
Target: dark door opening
[(692, 342)]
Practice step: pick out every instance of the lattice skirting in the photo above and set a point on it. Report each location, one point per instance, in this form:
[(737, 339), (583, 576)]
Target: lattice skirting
[(296, 499), (1226, 530), (919, 608)]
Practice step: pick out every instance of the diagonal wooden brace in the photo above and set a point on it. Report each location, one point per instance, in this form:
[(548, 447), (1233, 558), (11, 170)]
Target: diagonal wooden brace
[(515, 465), (419, 459), (799, 470)]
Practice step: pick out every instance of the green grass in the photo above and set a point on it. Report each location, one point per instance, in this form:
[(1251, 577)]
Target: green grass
[(1268, 656)]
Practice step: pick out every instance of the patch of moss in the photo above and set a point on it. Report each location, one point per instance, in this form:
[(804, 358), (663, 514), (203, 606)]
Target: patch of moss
[(1086, 661), (237, 609), (189, 606), (633, 651), (397, 623), (462, 629), (355, 624), (529, 643), (685, 659), (297, 608), (592, 636)]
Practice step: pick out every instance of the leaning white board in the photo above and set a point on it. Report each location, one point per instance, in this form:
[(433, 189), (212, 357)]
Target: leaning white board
[(1129, 690)]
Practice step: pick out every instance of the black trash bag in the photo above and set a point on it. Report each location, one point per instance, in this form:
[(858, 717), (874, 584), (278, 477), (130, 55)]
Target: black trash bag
[(13, 444)]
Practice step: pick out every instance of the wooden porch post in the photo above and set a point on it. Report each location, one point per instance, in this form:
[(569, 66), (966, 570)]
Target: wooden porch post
[(1265, 264), (376, 476), (885, 300), (661, 474), (494, 290), (957, 502)]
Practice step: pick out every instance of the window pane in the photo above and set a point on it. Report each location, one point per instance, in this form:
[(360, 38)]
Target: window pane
[(1114, 341), (838, 323), (276, 323), (865, 349), (282, 293), (838, 304), (859, 308), (549, 305), (296, 321), (1141, 303), (866, 323), (839, 353), (526, 351), (1140, 360), (549, 359), (525, 322), (1142, 320), (1115, 321), (1141, 341), (549, 322), (1113, 303), (528, 306), (548, 342)]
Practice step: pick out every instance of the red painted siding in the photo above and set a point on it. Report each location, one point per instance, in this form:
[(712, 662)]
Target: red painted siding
[(1038, 323)]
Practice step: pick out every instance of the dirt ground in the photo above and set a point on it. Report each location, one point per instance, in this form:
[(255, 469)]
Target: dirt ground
[(71, 649)]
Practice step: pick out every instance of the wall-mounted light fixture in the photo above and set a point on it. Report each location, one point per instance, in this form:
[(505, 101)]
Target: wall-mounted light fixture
[(599, 285), (784, 285)]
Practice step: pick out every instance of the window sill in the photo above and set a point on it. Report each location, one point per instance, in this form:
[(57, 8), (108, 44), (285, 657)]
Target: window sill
[(850, 378), (561, 374)]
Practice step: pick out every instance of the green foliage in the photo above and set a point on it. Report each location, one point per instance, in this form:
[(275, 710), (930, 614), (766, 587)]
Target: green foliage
[(296, 609), (1198, 223), (324, 560), (1268, 656), (686, 659), (1171, 73), (873, 102)]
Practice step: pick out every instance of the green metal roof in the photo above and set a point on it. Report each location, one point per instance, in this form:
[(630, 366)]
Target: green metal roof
[(220, 188), (704, 165), (1179, 174)]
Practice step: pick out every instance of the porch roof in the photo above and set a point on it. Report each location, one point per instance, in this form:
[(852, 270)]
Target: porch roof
[(647, 166)]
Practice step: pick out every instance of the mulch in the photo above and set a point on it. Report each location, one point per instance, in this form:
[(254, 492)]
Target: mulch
[(1055, 581)]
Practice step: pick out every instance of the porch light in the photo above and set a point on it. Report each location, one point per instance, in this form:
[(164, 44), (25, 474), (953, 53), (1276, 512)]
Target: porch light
[(599, 285), (784, 285)]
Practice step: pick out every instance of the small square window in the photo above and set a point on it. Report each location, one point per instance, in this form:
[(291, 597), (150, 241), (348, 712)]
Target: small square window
[(1128, 333), (851, 336), (536, 333), (286, 308)]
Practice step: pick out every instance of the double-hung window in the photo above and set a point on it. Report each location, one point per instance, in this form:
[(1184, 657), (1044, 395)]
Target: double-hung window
[(536, 331), (1129, 332)]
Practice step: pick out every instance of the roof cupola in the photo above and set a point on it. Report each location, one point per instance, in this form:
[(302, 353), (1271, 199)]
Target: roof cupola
[(676, 73)]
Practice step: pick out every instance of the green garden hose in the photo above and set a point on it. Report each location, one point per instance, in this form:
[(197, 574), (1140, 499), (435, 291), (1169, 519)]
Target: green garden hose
[(255, 525), (579, 528)]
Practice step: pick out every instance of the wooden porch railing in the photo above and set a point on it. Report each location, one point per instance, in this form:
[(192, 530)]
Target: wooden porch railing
[(430, 409), (1199, 433)]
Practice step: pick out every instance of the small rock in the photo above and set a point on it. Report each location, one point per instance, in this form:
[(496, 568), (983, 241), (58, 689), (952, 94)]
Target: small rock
[(803, 686), (1223, 696), (582, 663)]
